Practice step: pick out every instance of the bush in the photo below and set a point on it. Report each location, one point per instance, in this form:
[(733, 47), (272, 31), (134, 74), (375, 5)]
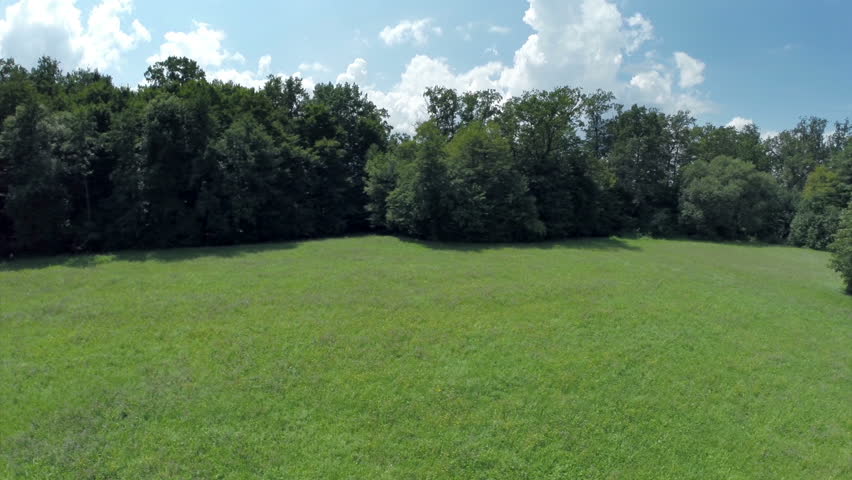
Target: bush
[(730, 199), (841, 249), (814, 225), (819, 211)]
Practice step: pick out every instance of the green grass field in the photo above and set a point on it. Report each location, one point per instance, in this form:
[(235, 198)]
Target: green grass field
[(376, 357)]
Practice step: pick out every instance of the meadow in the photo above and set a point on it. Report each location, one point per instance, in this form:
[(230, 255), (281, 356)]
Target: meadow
[(378, 357)]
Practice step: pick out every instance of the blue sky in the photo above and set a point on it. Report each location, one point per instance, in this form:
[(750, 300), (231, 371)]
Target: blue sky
[(770, 61)]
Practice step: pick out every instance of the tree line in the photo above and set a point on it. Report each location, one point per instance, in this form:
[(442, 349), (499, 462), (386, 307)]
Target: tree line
[(86, 165)]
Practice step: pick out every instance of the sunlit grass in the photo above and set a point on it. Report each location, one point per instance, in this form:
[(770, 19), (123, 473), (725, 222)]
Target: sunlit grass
[(375, 357)]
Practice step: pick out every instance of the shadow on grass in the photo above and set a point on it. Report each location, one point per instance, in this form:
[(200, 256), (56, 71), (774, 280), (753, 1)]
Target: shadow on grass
[(596, 244), (192, 253), (182, 254)]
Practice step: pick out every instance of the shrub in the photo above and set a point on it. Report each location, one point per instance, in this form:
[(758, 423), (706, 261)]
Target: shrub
[(841, 249), (729, 198)]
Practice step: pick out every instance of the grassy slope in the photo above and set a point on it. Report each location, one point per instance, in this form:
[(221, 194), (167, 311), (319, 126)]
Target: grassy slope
[(378, 358)]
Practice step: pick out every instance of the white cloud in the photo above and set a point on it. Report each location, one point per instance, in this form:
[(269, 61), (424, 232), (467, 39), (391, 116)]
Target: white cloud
[(204, 45), (405, 102), (691, 70), (769, 134), (578, 42), (740, 123), (410, 31), (257, 79), (264, 64), (313, 67), (583, 43), (656, 88), (492, 51), (356, 72), (653, 86), (32, 28), (641, 31), (466, 30)]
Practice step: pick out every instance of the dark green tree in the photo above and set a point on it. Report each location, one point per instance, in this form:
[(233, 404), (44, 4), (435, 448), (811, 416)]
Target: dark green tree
[(489, 198), (642, 164), (37, 203), (841, 248), (728, 198), (542, 130)]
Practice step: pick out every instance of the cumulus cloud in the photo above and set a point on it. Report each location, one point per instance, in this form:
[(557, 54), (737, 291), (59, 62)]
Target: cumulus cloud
[(416, 32), (641, 31), (585, 43), (656, 87), (499, 29), (691, 70), (246, 78), (264, 64), (257, 79), (203, 44), (740, 123), (579, 42), (405, 102), (32, 28), (356, 72)]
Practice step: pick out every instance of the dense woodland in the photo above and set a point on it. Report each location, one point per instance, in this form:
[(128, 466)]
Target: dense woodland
[(86, 165)]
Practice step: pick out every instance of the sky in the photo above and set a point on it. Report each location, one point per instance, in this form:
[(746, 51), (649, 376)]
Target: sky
[(729, 62)]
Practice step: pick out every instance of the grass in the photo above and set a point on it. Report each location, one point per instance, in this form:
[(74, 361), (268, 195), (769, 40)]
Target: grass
[(375, 357)]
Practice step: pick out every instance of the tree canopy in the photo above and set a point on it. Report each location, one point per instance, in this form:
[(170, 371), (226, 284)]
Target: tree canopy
[(86, 165)]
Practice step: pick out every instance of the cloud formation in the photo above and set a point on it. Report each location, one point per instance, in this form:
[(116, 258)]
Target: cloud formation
[(416, 32), (740, 123), (356, 72), (585, 43), (30, 29), (203, 44), (691, 70)]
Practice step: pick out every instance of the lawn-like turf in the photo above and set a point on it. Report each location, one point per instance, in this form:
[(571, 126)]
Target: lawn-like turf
[(375, 357)]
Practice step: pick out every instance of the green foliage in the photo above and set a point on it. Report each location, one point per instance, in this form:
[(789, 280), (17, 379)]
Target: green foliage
[(183, 161), (814, 225), (729, 198), (841, 248), (795, 153), (641, 159), (488, 194), (549, 153), (744, 144), (465, 188), (173, 73), (817, 216), (418, 204), (37, 202)]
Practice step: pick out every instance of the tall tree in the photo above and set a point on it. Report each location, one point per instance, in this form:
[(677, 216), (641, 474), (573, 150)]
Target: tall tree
[(37, 203), (542, 129), (641, 161), (795, 153)]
